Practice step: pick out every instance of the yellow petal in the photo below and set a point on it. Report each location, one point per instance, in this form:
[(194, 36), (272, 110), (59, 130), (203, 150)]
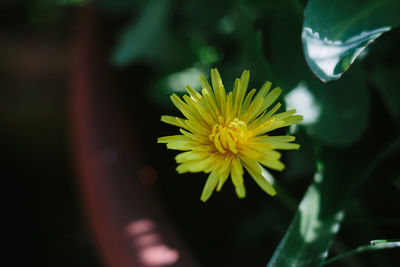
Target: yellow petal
[(282, 145), (190, 155), (211, 104), (266, 127), (253, 111), (194, 165), (247, 100), (193, 93), (215, 78), (292, 120), (221, 99), (183, 107), (205, 85), (240, 190), (278, 138), (271, 97), (173, 121), (241, 90), (263, 90), (237, 178), (236, 87), (272, 163), (178, 142), (209, 187), (249, 153), (265, 118), (284, 115), (229, 115), (255, 172), (270, 154), (223, 170), (244, 81)]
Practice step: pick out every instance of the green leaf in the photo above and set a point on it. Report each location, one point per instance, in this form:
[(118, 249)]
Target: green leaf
[(338, 110), (344, 110), (142, 37), (321, 211), (310, 234), (336, 32)]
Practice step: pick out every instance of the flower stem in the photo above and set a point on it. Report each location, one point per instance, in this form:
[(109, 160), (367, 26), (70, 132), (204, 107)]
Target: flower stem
[(374, 245)]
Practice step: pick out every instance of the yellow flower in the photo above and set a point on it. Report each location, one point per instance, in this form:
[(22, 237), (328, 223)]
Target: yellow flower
[(223, 133)]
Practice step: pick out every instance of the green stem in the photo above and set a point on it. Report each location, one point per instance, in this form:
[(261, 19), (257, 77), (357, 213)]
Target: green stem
[(375, 245), (387, 151)]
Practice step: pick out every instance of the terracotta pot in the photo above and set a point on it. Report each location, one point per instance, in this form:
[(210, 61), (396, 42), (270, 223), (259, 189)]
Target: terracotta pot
[(127, 224)]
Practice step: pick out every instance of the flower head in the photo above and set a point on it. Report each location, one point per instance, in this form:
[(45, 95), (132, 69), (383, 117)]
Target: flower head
[(222, 133)]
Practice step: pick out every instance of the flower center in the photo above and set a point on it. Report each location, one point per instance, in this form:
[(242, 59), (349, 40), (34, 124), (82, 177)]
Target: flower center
[(229, 135)]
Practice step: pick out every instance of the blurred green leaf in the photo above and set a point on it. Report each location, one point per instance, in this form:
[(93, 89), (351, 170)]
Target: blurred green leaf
[(73, 2), (281, 28), (207, 55), (336, 32), (118, 7), (44, 11), (201, 17), (386, 81), (250, 53), (250, 40), (175, 83), (141, 39)]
